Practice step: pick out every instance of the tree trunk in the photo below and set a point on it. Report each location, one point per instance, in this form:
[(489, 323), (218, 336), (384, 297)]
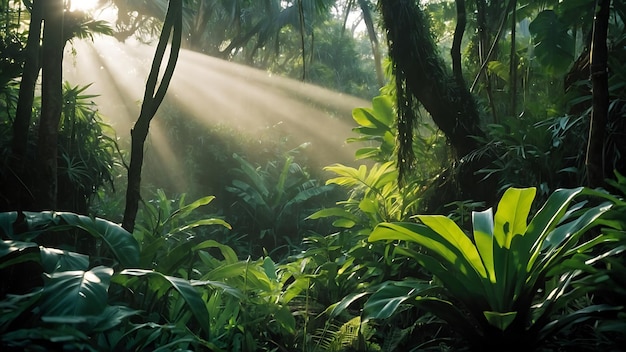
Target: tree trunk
[(513, 62), (371, 32), (595, 160), (51, 103), (20, 195), (27, 84), (301, 17), (172, 27), (421, 75), (455, 50), (482, 54)]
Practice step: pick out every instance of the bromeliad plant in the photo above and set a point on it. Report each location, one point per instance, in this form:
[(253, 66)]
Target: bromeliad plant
[(506, 286)]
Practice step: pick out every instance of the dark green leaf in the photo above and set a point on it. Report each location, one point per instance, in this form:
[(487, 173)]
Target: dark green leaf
[(77, 292)]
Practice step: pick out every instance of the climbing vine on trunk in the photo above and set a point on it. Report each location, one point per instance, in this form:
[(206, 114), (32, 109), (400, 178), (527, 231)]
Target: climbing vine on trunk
[(421, 76)]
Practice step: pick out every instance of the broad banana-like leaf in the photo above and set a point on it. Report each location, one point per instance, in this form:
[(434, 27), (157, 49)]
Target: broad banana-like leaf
[(15, 252), (76, 293), (120, 242), (54, 260)]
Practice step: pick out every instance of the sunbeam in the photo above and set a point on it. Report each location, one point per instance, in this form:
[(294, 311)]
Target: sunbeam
[(214, 91)]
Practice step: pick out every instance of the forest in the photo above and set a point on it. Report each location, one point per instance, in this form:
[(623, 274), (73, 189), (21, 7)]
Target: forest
[(312, 175)]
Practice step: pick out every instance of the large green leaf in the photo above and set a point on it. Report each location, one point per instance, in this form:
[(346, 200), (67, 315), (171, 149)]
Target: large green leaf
[(120, 242), (484, 239), (450, 255), (246, 271), (554, 43), (386, 300), (14, 252), (6, 224), (184, 211), (228, 253), (187, 291), (455, 237), (546, 219), (75, 293), (512, 215), (54, 260)]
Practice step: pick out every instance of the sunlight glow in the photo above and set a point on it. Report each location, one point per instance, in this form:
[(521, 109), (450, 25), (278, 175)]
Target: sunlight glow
[(213, 92), (84, 5)]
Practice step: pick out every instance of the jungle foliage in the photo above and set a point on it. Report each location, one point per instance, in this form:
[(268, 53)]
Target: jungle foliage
[(267, 251)]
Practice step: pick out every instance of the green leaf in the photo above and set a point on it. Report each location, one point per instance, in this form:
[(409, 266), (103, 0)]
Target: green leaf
[(15, 252), (54, 260), (337, 308), (76, 292), (448, 253), (285, 318), (554, 44), (386, 300), (513, 209), (192, 297), (228, 253), (187, 209), (483, 236), (328, 212), (120, 242), (6, 223), (445, 227), (500, 320), (201, 222), (546, 219)]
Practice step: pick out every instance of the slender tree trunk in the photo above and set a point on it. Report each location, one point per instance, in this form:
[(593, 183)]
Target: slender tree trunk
[(172, 27), (371, 32), (492, 49), (51, 103), (27, 84), (482, 54), (595, 160), (345, 16), (455, 51), (513, 61), (301, 17), (24, 109)]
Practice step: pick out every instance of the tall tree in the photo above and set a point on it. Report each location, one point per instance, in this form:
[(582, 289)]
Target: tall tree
[(421, 76), (24, 109), (368, 19), (153, 96), (598, 57), (51, 103)]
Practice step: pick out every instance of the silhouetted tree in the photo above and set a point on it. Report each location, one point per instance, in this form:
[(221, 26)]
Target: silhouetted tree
[(51, 103), (172, 27)]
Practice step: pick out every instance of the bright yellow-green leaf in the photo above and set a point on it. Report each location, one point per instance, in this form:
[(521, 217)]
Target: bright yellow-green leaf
[(512, 214), (453, 234)]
